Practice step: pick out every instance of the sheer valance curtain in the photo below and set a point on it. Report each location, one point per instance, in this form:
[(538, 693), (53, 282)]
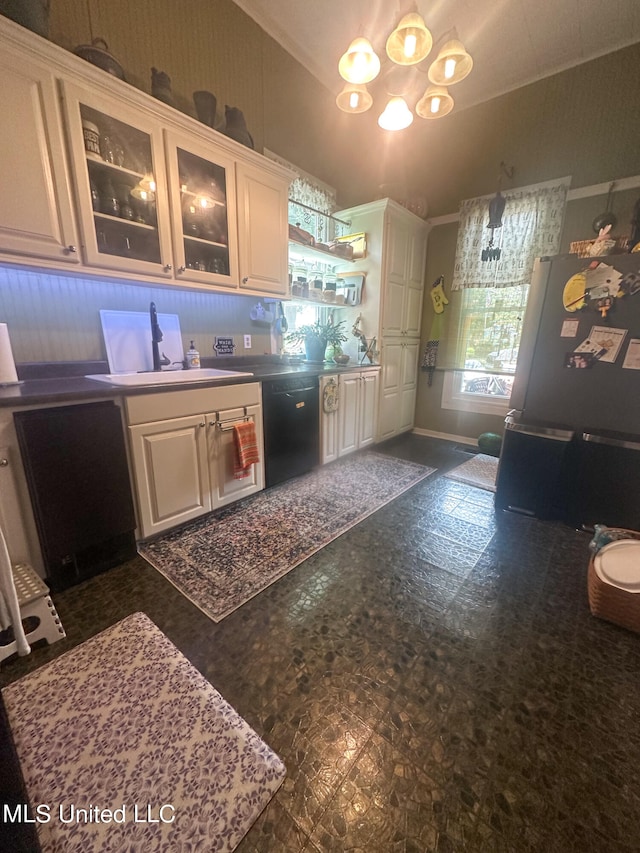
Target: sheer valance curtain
[(531, 227), (311, 192)]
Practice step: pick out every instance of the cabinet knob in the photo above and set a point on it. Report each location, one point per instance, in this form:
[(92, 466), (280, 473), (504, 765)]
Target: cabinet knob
[(71, 250), (168, 267), (203, 424), (181, 269), (245, 279), (4, 463), (212, 423)]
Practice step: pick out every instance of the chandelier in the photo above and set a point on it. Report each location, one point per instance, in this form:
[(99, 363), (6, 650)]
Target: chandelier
[(408, 45)]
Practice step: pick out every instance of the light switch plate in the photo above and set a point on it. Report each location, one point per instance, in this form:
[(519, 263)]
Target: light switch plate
[(247, 341)]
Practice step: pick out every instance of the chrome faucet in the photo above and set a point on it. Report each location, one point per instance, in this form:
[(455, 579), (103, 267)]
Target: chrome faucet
[(156, 337)]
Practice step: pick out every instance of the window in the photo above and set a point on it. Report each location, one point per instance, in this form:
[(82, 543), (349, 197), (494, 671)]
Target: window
[(492, 292), (490, 325)]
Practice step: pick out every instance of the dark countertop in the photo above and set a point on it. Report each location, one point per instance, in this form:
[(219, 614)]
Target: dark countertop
[(62, 382)]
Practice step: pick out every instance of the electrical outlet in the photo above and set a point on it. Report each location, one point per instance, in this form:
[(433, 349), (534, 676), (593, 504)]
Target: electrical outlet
[(247, 341)]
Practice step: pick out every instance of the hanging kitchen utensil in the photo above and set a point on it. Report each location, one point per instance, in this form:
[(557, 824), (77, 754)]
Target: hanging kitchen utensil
[(496, 209), (282, 327)]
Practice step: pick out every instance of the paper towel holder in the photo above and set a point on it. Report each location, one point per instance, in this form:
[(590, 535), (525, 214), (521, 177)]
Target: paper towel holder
[(8, 374)]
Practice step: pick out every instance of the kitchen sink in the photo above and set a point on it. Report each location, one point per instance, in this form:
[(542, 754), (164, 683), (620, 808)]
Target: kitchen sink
[(166, 377)]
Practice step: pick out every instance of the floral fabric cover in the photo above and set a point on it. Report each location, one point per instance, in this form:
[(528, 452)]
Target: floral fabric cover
[(124, 723)]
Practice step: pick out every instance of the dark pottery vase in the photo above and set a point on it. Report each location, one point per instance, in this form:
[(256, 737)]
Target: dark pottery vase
[(161, 87), (206, 104), (236, 126)]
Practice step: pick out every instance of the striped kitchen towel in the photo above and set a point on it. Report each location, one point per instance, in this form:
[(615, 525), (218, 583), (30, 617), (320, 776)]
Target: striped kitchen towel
[(247, 454)]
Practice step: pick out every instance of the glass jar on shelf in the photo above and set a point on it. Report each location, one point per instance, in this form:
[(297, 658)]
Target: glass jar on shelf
[(316, 282), (330, 285), (300, 283)]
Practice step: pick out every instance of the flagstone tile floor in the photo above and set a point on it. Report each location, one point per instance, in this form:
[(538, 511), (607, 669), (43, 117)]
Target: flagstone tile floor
[(432, 679)]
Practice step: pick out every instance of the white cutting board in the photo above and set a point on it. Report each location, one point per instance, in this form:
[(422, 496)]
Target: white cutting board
[(127, 338)]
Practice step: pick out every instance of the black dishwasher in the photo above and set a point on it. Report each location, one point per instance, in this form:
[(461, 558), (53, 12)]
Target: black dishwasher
[(291, 421), (76, 468)]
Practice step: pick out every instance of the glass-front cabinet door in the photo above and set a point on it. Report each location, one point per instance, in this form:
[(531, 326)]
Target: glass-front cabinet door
[(203, 209), (120, 184)]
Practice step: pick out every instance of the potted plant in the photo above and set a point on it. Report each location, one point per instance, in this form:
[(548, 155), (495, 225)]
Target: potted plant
[(317, 336)]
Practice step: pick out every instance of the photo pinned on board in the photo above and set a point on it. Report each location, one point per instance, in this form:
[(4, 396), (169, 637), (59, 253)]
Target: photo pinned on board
[(579, 359)]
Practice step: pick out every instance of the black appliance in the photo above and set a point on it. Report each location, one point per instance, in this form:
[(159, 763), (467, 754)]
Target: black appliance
[(532, 475), (291, 423), (76, 468), (605, 481), (577, 374)]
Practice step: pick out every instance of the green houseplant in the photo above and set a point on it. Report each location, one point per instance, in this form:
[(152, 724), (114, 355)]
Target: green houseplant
[(316, 337)]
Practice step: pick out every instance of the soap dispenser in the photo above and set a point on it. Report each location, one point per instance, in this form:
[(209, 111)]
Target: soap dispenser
[(193, 356)]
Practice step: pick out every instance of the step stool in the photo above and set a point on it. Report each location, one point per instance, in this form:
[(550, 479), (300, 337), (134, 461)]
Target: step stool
[(35, 601)]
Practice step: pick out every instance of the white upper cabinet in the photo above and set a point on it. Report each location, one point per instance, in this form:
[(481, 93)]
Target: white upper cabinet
[(203, 204), (120, 183), (36, 219), (96, 173), (403, 291), (413, 295), (263, 230)]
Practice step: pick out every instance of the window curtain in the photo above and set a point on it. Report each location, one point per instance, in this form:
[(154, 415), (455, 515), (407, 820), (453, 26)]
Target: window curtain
[(531, 227), (311, 193)]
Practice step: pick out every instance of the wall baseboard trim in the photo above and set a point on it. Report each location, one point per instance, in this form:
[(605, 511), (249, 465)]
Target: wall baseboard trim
[(459, 439)]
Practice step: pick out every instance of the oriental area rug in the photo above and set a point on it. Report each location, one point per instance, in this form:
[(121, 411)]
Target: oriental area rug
[(224, 559), (480, 471)]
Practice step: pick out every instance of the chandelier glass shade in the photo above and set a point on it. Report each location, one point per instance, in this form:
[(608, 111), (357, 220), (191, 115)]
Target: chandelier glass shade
[(435, 103), (354, 98), (396, 115), (360, 64), (410, 42), (452, 65), (408, 45)]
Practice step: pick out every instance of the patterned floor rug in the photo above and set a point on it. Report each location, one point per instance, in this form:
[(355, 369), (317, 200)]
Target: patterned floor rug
[(481, 471), (124, 721), (221, 561)]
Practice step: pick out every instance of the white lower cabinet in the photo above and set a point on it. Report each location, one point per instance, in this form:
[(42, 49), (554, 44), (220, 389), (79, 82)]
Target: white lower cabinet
[(398, 387), (170, 463), (225, 487), (353, 424), (183, 467), (348, 413)]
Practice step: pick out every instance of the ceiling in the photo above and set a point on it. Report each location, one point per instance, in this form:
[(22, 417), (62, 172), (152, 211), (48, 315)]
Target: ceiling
[(512, 42)]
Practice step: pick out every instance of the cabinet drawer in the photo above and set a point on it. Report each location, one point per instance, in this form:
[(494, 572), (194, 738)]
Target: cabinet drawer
[(194, 401)]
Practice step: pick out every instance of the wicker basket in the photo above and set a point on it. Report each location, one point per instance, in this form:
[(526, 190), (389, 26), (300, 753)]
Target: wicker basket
[(582, 247), (611, 603)]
